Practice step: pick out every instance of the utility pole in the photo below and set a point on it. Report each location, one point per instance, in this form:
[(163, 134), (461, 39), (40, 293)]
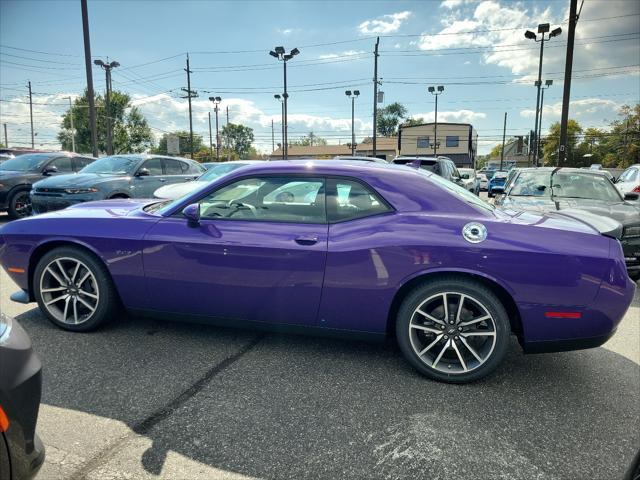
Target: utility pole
[(273, 137), (436, 91), (217, 135), (375, 95), (504, 133), (31, 114), (6, 142), (210, 139), (190, 94), (568, 67), (87, 63), (73, 131), (281, 100), (227, 137)]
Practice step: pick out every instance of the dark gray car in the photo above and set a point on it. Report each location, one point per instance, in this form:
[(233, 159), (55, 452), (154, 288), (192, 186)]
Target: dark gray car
[(548, 189), (21, 451), (18, 174), (117, 176)]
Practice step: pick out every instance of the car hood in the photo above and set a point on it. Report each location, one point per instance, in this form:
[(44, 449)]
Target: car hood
[(114, 208), (177, 190), (9, 175), (77, 180), (623, 212)]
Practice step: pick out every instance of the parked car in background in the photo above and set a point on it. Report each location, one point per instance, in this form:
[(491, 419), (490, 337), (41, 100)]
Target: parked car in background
[(117, 176), (470, 180), (549, 189), (497, 182), (303, 245), (483, 180), (21, 451), (629, 180), (177, 190), (441, 166), (18, 174), (6, 156)]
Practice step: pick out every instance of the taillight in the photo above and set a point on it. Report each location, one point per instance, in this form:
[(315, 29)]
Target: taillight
[(637, 189)]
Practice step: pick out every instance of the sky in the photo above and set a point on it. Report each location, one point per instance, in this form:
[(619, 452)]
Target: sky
[(475, 49)]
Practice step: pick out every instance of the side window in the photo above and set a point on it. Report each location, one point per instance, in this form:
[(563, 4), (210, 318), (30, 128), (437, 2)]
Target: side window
[(196, 169), (175, 167), (274, 199), (349, 200), (454, 172), (154, 166), (81, 162), (63, 164), (453, 141), (422, 142)]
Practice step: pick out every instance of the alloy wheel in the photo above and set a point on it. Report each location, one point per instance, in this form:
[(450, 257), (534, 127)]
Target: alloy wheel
[(69, 290), (22, 204), (452, 332)]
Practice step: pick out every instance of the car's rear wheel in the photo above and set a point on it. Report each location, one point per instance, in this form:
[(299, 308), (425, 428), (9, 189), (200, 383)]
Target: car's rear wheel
[(453, 330), (74, 289), (19, 204)]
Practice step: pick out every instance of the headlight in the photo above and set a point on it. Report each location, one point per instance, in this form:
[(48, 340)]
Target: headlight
[(5, 327), (73, 191), (631, 231)]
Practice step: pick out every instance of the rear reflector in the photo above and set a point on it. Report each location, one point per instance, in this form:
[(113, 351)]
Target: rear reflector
[(563, 314), (4, 421), (16, 270)]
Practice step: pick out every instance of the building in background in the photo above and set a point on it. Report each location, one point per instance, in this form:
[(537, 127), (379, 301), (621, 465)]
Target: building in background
[(458, 141), (386, 148), (516, 153)]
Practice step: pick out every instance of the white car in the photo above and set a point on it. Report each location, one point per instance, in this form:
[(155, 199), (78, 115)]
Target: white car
[(470, 180), (177, 190), (484, 181), (629, 180)]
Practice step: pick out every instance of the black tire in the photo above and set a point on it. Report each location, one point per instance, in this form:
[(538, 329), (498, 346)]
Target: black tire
[(635, 275), (107, 303), (476, 293), (16, 200)]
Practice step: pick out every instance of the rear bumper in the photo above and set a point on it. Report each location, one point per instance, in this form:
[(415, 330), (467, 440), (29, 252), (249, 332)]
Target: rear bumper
[(631, 249)]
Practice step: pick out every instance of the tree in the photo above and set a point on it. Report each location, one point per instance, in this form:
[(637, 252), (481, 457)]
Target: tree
[(389, 118), (185, 144), (552, 141), (131, 132), (309, 140), (412, 122), (239, 138), (621, 145), (495, 151)]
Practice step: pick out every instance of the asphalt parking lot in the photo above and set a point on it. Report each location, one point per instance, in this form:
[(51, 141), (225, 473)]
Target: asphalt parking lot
[(150, 399)]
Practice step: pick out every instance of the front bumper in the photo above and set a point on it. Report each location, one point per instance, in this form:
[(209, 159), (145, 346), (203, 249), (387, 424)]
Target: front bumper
[(631, 249), (20, 391), (42, 203)]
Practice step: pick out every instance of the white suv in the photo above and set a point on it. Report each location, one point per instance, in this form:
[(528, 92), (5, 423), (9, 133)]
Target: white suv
[(629, 180)]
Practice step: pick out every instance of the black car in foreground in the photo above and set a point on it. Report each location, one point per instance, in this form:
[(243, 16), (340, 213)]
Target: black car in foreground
[(18, 174), (21, 451), (551, 188)]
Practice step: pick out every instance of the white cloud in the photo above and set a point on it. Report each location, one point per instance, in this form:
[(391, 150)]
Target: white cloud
[(499, 29), (287, 31), (346, 53), (578, 108), (450, 4), (384, 24), (454, 116)]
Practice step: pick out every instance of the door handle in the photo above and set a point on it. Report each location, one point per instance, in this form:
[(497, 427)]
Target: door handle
[(307, 240)]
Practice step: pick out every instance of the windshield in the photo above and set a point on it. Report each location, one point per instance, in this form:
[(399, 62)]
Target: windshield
[(565, 185), (113, 165), (25, 163), (460, 192), (218, 171)]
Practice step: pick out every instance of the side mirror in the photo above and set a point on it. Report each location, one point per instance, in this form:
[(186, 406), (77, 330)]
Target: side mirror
[(143, 172), (631, 196), (50, 170), (192, 214)]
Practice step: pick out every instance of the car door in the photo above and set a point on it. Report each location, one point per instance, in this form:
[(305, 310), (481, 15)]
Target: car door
[(143, 186), (253, 256), (63, 165), (177, 171)]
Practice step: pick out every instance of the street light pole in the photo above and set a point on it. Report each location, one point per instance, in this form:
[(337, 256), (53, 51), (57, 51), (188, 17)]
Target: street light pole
[(548, 83), (216, 101), (210, 138), (353, 95), (542, 29), (279, 53), (73, 131), (281, 100), (435, 91), (108, 66)]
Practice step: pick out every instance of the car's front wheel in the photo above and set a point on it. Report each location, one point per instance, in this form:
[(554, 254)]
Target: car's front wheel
[(74, 289), (19, 204), (453, 330)]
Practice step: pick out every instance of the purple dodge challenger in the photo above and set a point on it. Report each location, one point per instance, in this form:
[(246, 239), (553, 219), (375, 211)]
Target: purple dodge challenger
[(334, 247)]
